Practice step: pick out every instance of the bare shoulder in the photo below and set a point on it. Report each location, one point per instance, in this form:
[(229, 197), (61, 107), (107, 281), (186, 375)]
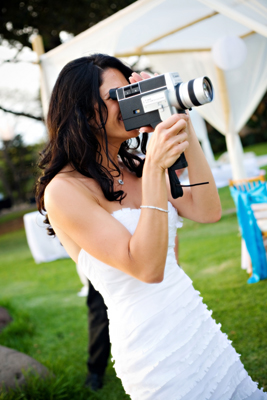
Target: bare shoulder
[(70, 202), (69, 184), (67, 196), (81, 220)]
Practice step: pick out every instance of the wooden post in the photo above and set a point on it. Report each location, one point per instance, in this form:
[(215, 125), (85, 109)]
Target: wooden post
[(38, 45), (223, 96), (38, 48)]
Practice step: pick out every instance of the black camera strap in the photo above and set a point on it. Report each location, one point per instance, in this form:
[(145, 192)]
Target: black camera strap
[(176, 187), (196, 184)]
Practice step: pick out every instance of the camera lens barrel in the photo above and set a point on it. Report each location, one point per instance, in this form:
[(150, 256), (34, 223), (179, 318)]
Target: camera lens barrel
[(193, 93)]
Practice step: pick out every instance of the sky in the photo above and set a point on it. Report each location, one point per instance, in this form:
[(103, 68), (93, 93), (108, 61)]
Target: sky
[(19, 89)]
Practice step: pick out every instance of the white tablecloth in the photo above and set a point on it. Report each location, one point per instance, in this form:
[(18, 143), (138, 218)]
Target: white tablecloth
[(222, 170), (43, 247)]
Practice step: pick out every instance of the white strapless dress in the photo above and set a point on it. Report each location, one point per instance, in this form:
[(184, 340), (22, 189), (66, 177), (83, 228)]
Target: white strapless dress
[(164, 342)]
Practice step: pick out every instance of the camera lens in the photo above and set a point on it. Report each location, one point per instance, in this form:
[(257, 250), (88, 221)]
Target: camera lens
[(207, 89), (193, 93)]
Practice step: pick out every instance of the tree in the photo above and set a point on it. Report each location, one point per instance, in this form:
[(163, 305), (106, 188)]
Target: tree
[(18, 169), (19, 19)]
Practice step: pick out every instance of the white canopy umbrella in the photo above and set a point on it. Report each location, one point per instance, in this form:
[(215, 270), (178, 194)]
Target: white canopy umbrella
[(184, 36)]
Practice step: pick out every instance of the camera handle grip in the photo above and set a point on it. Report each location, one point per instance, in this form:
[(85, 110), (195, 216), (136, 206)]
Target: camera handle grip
[(176, 188)]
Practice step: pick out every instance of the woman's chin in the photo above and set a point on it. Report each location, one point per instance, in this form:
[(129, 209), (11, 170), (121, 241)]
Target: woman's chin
[(134, 133)]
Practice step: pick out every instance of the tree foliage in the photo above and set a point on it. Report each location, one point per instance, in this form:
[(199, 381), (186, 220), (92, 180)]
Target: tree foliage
[(20, 19), (18, 169)]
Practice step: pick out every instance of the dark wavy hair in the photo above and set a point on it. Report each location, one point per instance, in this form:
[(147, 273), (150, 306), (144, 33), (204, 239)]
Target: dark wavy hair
[(72, 128)]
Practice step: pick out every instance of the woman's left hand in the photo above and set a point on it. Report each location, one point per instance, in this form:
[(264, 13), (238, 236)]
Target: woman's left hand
[(135, 77)]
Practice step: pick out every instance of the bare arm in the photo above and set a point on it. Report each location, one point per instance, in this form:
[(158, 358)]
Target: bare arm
[(73, 210), (199, 203)]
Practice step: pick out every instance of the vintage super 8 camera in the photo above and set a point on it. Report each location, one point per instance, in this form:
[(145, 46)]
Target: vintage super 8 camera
[(153, 100)]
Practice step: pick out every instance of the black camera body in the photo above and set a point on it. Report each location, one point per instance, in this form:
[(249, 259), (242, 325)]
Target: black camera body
[(144, 103), (153, 100)]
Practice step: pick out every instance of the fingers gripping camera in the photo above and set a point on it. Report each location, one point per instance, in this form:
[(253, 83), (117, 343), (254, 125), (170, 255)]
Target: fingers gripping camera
[(153, 100)]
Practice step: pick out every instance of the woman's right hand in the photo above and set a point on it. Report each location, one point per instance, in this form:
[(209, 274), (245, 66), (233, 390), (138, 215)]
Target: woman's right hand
[(169, 139), (168, 142)]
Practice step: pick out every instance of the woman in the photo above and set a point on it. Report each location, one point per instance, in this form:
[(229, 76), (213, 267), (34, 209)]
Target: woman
[(115, 216)]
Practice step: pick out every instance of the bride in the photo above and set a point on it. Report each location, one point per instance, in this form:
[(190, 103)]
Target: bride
[(114, 214)]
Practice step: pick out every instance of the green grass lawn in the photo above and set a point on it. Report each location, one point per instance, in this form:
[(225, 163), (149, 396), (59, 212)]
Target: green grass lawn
[(50, 320)]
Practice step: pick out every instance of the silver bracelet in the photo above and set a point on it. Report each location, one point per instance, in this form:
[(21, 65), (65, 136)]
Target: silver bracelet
[(155, 208)]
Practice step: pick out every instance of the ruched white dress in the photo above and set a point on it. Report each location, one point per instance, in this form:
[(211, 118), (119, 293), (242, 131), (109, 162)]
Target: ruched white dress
[(164, 342)]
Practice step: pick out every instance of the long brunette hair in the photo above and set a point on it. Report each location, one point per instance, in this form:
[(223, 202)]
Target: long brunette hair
[(72, 128)]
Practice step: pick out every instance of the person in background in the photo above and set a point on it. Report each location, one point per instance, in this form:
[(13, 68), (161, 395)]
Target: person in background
[(99, 343)]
